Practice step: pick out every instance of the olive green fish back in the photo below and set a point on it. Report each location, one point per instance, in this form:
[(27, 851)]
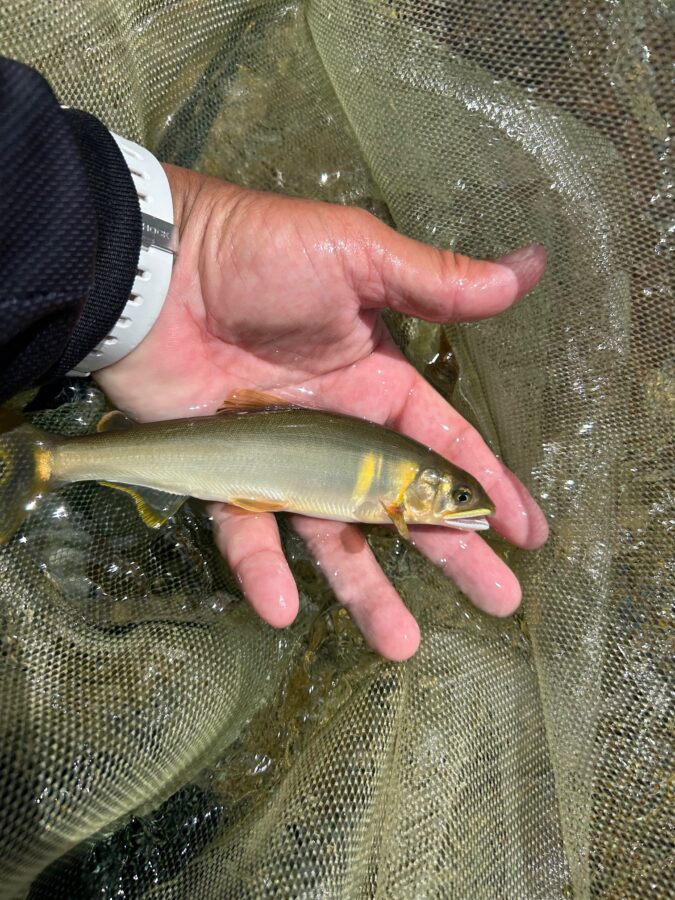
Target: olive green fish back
[(155, 738)]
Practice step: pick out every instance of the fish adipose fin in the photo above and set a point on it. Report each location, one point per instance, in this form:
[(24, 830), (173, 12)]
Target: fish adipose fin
[(395, 513), (153, 506), (247, 400), (258, 505)]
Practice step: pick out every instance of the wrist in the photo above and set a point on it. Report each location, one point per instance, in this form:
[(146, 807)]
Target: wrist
[(153, 381), (185, 187), (136, 381)]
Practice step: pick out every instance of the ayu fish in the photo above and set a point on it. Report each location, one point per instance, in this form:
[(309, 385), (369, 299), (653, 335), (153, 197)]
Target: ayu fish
[(273, 458)]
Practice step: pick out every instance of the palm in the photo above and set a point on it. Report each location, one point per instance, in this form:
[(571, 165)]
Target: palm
[(283, 296)]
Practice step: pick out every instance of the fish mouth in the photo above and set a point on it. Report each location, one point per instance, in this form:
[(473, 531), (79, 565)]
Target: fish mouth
[(469, 521)]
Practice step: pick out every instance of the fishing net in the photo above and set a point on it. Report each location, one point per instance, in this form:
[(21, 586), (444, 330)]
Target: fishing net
[(156, 739)]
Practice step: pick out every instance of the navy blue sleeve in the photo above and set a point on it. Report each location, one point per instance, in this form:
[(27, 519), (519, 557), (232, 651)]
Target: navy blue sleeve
[(70, 232)]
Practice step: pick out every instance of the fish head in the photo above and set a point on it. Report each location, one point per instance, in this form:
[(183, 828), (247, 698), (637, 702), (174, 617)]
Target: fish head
[(445, 495)]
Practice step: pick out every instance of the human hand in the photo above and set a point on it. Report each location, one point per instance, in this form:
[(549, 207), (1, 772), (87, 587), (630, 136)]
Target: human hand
[(284, 296)]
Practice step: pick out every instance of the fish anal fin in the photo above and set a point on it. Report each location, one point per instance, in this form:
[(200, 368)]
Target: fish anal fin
[(257, 505), (114, 421), (247, 400), (154, 507), (395, 513)]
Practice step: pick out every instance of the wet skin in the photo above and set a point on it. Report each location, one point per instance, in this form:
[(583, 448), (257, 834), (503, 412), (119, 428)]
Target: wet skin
[(284, 296)]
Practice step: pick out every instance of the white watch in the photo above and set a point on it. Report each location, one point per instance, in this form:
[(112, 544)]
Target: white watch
[(155, 262)]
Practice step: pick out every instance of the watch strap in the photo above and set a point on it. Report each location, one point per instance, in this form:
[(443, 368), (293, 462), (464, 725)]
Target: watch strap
[(158, 248)]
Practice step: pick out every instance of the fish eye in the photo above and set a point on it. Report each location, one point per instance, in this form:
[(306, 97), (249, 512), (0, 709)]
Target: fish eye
[(462, 495)]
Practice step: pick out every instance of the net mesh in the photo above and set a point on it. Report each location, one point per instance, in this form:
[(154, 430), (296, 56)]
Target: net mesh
[(156, 738)]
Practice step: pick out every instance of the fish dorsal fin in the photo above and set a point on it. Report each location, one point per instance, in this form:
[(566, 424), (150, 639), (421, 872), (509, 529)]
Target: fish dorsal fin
[(114, 421), (247, 400), (153, 506)]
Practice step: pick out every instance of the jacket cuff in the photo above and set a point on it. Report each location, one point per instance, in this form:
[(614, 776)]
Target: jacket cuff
[(118, 219)]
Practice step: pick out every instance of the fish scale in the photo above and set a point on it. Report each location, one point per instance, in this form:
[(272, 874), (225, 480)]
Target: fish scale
[(305, 461)]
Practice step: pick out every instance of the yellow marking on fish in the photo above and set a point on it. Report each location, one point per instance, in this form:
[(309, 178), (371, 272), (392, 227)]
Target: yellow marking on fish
[(369, 468), (258, 505), (43, 465), (151, 517), (469, 513), (404, 475)]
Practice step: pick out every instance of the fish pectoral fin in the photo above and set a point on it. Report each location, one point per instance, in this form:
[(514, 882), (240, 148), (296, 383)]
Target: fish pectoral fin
[(246, 400), (114, 421), (258, 505), (395, 513), (153, 506)]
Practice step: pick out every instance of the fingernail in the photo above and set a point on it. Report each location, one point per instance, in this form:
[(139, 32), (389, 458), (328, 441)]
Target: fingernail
[(538, 529), (527, 264)]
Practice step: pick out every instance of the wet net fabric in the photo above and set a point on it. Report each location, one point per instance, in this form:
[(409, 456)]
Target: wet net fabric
[(156, 739)]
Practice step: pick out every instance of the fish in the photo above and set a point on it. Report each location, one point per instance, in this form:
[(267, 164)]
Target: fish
[(256, 453)]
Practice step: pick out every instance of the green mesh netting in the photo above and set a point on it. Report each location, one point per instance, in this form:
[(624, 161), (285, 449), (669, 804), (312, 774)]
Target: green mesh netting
[(156, 738)]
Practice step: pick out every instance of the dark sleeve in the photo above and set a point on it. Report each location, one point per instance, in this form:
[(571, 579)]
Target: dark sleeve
[(70, 232)]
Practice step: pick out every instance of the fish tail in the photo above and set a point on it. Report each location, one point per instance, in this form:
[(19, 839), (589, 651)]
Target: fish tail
[(25, 472)]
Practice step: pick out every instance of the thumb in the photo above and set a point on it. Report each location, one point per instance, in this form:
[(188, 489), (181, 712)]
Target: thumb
[(442, 286)]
